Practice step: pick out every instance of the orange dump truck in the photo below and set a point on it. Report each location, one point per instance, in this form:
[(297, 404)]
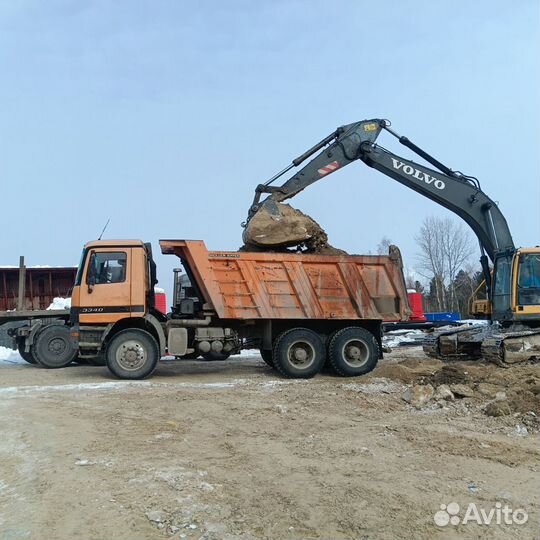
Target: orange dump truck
[(301, 311)]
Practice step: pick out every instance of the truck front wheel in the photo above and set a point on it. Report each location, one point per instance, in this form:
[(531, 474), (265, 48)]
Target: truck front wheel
[(53, 347), (299, 353), (132, 354), (353, 351)]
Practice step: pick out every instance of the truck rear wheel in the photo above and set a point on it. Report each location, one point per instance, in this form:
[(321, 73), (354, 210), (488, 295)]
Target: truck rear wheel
[(53, 347), (353, 351), (132, 354), (299, 353), (28, 356)]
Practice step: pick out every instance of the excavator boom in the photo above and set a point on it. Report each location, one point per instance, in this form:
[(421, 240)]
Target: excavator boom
[(459, 193)]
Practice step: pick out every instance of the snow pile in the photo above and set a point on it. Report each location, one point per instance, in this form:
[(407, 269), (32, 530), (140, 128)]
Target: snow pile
[(249, 353), (397, 338), (60, 303), (9, 356)]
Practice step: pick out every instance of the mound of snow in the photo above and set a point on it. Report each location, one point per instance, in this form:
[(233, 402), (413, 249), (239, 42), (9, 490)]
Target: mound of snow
[(249, 353), (397, 338), (9, 356), (60, 303)]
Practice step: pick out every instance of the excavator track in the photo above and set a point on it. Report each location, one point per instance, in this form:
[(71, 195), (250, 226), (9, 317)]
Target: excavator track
[(462, 343), (512, 347), (492, 343)]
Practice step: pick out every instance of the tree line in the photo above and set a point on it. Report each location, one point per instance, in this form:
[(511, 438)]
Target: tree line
[(444, 271)]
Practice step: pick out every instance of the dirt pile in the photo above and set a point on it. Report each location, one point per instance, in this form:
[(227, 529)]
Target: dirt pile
[(511, 394), (278, 226)]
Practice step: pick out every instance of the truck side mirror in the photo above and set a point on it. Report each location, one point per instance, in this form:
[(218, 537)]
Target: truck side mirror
[(91, 282)]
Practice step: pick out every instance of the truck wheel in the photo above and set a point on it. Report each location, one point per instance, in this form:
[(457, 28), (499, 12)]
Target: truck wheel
[(53, 347), (267, 356), (299, 353), (212, 356), (26, 355), (132, 354), (353, 351)]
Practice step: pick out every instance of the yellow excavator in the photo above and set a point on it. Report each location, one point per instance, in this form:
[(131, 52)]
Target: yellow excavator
[(512, 279)]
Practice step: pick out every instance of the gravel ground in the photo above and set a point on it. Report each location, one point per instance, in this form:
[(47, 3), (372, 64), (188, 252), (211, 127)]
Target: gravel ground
[(230, 450)]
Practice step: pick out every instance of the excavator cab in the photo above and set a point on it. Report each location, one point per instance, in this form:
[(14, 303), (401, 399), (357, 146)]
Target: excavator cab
[(516, 291)]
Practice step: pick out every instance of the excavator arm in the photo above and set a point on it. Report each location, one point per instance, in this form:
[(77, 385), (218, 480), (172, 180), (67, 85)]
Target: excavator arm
[(458, 193)]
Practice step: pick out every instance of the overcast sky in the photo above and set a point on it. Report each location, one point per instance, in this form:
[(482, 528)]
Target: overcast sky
[(165, 115)]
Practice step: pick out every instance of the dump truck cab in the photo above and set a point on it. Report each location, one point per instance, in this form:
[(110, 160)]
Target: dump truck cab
[(114, 293), (112, 282)]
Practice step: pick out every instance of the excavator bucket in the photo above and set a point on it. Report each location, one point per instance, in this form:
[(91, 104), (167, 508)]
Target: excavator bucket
[(278, 226)]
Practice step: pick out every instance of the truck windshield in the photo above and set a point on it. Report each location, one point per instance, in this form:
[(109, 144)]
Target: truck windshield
[(80, 268)]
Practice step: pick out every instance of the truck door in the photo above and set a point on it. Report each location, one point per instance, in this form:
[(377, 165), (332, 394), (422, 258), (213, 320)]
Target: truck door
[(105, 294)]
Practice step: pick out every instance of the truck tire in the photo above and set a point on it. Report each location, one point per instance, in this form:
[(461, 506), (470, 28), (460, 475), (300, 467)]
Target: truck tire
[(132, 354), (53, 347), (28, 356), (215, 356), (299, 353), (353, 351), (267, 356)]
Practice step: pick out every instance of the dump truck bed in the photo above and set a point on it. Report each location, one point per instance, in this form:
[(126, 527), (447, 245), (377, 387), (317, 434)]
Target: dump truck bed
[(255, 285)]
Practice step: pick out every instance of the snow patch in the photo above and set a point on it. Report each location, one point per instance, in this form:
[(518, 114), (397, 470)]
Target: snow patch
[(395, 338), (10, 357), (60, 303), (249, 353)]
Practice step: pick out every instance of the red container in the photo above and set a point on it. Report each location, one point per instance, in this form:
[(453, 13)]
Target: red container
[(161, 301), (415, 303)]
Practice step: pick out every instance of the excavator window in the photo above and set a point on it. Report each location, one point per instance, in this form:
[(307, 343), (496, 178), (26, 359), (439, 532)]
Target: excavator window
[(502, 284), (529, 280)]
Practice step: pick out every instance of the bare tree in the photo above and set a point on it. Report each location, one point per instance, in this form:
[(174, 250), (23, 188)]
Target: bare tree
[(383, 245), (431, 257), (445, 247)]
